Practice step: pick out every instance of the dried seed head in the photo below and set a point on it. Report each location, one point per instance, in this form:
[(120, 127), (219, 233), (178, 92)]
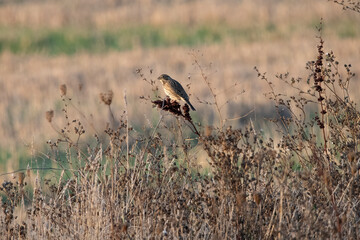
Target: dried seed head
[(257, 198), (186, 110), (123, 228), (351, 156), (107, 97), (63, 89), (21, 177), (49, 115)]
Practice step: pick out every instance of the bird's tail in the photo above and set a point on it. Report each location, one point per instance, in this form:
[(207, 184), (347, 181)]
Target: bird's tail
[(191, 106)]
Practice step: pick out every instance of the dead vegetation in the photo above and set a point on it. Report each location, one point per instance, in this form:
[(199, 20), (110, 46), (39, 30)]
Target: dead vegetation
[(127, 182), (131, 185), (271, 35)]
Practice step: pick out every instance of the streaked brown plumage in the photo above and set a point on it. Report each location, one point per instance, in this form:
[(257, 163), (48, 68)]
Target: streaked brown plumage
[(174, 90)]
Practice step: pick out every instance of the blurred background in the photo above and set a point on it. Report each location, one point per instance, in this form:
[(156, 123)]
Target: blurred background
[(94, 46)]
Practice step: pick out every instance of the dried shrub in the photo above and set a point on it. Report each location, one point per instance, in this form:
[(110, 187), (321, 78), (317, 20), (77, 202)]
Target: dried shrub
[(63, 89), (107, 97), (49, 115)]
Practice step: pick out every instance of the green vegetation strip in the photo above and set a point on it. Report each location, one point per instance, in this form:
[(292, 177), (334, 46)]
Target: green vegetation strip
[(70, 41), (74, 40)]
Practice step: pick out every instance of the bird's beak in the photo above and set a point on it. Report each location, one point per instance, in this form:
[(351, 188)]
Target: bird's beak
[(159, 77)]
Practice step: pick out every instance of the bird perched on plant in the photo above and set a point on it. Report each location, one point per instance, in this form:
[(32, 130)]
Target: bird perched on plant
[(174, 90)]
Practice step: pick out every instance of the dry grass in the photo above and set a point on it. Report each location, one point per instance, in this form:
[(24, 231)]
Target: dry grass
[(116, 167), (135, 185), (30, 82), (100, 14), (31, 85)]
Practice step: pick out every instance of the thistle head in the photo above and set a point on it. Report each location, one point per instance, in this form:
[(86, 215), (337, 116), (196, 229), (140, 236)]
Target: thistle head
[(63, 89), (49, 115)]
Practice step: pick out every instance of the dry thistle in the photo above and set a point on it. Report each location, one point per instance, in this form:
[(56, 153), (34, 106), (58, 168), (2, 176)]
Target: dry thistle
[(257, 198), (63, 89), (351, 156), (21, 178), (124, 228), (107, 97), (168, 105), (186, 110), (354, 168), (174, 108), (49, 115)]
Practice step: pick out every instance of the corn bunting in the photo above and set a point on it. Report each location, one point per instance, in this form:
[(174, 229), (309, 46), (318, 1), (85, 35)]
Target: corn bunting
[(174, 90)]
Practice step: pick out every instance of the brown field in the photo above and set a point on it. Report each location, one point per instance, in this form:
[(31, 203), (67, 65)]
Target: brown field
[(30, 82), (283, 189)]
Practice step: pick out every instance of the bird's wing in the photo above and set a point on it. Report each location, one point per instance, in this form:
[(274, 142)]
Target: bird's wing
[(179, 89)]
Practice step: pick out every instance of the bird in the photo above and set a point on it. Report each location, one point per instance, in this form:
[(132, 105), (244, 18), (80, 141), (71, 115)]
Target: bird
[(174, 90)]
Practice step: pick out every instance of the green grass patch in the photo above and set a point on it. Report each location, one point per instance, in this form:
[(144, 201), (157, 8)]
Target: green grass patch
[(73, 40), (70, 41), (4, 156), (348, 30), (21, 157)]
